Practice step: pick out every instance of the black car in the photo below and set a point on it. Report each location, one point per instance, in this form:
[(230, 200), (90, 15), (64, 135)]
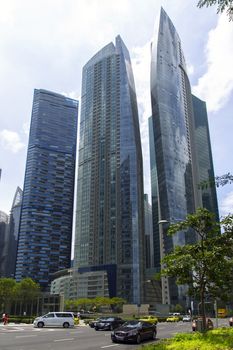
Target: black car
[(93, 323), (134, 331), (108, 323)]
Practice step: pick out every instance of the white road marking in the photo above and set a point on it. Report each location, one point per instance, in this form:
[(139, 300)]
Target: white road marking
[(26, 336), (63, 339), (108, 346)]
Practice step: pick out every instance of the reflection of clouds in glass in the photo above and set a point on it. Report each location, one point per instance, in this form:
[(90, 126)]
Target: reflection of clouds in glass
[(10, 140)]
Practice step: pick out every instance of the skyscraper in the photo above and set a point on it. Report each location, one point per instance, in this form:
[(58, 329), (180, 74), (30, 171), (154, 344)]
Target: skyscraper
[(109, 220), (12, 234), (175, 146), (4, 219), (45, 233), (204, 155)]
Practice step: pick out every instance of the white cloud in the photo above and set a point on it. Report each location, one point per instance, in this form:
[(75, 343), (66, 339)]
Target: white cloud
[(216, 85), (10, 140), (226, 205)]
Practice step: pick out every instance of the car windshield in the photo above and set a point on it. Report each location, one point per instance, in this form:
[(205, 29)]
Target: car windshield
[(132, 324)]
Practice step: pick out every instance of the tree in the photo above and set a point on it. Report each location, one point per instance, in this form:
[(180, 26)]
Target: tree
[(27, 291), (217, 181), (223, 5), (206, 267), (7, 292)]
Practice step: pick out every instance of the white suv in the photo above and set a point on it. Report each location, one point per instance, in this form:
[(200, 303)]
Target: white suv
[(55, 319)]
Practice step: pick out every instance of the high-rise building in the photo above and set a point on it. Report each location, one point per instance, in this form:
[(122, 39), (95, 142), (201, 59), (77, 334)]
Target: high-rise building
[(12, 234), (45, 233), (110, 213), (204, 156), (148, 232), (175, 144), (4, 218)]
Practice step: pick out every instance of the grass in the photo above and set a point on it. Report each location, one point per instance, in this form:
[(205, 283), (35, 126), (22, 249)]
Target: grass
[(217, 339)]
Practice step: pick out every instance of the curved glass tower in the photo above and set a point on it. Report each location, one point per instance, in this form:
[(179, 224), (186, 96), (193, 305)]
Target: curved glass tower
[(109, 220), (173, 126), (181, 156)]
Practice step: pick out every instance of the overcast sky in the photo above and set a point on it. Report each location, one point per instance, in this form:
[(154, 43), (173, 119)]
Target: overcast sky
[(44, 44)]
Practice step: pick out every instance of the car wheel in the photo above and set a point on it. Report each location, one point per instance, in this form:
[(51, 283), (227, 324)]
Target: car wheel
[(154, 335), (138, 339), (66, 325), (96, 328), (40, 324)]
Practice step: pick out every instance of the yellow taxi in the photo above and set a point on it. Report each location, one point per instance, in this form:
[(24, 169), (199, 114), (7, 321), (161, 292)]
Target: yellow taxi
[(173, 319), (149, 319)]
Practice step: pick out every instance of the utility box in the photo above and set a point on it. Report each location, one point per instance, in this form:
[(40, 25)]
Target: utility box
[(200, 325)]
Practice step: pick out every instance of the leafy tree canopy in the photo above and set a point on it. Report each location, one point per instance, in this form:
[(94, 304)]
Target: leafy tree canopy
[(222, 5), (206, 267)]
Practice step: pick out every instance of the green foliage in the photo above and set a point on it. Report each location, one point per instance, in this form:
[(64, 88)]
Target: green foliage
[(93, 304), (207, 265), (27, 290), (217, 181), (219, 339), (222, 5), (7, 292)]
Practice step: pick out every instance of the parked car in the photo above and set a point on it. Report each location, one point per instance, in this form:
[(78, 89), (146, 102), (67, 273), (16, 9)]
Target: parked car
[(93, 322), (231, 321), (108, 323), (134, 331), (186, 318), (150, 319), (55, 319), (172, 319)]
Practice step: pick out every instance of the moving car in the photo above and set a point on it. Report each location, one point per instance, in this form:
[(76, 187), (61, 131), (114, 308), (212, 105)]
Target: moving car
[(93, 322), (134, 331), (173, 319), (186, 318), (149, 319), (55, 319), (108, 323)]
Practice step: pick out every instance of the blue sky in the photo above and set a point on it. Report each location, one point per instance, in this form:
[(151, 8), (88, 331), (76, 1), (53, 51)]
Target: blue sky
[(44, 44)]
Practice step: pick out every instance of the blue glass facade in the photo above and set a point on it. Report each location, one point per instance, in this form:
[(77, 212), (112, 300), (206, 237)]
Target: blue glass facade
[(12, 234), (109, 220), (174, 143), (45, 234), (204, 155)]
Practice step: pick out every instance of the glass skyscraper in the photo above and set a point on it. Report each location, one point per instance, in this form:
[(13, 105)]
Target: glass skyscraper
[(12, 234), (45, 232), (109, 220), (175, 146)]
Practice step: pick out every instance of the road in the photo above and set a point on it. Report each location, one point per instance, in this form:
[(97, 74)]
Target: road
[(25, 337)]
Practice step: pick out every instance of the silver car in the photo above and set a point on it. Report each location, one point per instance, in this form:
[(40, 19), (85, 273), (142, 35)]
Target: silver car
[(55, 319)]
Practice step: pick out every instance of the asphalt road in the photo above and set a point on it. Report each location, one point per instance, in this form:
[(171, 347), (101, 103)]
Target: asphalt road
[(25, 337)]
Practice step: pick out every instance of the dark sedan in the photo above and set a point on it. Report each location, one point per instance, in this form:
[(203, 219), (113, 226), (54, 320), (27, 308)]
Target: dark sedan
[(108, 323), (135, 332)]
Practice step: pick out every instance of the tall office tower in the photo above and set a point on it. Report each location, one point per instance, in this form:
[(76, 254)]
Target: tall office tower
[(110, 213), (204, 156), (149, 244), (12, 234), (45, 233), (154, 199), (175, 151), (4, 218)]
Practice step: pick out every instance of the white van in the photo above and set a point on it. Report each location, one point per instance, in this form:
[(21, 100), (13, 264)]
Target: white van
[(55, 319)]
